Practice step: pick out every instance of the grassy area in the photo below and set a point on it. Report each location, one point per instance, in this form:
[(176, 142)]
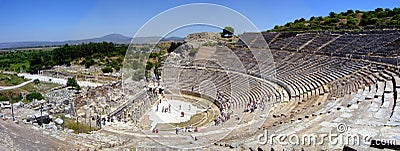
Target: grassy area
[(10, 79), (5, 96), (194, 120), (71, 124), (42, 87), (198, 119)]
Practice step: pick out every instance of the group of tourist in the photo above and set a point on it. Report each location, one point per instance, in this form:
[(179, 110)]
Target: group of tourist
[(102, 120), (186, 129), (254, 104), (225, 109), (154, 90), (165, 109), (223, 101), (155, 130), (224, 116)]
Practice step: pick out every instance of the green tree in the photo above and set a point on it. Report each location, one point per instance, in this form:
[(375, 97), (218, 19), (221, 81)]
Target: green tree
[(373, 21), (73, 83), (378, 10), (149, 65), (349, 12), (332, 14), (363, 22), (107, 69), (227, 32), (36, 81), (89, 63), (34, 95), (174, 46), (230, 29), (396, 17)]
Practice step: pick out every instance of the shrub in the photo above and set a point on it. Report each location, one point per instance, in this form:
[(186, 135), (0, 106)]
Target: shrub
[(107, 70), (34, 95)]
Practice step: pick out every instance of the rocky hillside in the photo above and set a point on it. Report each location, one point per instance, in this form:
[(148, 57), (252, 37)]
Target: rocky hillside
[(348, 20)]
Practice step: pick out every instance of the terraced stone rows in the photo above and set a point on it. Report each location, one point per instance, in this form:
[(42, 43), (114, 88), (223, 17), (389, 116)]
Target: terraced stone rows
[(304, 76), (281, 43), (360, 44), (299, 40), (270, 36), (354, 115), (300, 83), (321, 39), (237, 97)]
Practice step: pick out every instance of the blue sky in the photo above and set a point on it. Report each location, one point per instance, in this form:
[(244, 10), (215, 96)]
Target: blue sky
[(56, 20)]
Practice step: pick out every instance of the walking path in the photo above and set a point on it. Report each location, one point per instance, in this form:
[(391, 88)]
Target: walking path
[(57, 80), (15, 86)]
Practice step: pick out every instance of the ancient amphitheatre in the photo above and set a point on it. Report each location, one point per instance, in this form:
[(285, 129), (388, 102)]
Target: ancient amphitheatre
[(316, 82), (311, 86), (231, 93)]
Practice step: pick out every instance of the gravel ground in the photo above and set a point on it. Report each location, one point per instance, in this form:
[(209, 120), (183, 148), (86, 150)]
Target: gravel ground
[(25, 137)]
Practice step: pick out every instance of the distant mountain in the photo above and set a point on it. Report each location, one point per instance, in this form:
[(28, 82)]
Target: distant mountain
[(145, 40), (152, 40), (5, 45), (114, 38), (173, 39)]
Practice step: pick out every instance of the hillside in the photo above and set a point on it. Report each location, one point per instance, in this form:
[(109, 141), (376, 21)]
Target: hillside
[(349, 20)]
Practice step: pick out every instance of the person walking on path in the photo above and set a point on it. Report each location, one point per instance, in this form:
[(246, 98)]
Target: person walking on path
[(176, 130)]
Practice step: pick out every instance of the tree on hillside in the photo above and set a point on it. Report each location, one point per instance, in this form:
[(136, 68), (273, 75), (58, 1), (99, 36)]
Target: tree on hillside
[(395, 20), (332, 14), (107, 69), (351, 22), (227, 32), (34, 95), (378, 10), (174, 46), (350, 11), (36, 81), (36, 63), (73, 83)]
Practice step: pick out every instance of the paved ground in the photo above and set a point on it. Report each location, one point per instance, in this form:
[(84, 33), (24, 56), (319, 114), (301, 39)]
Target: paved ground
[(175, 115)]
